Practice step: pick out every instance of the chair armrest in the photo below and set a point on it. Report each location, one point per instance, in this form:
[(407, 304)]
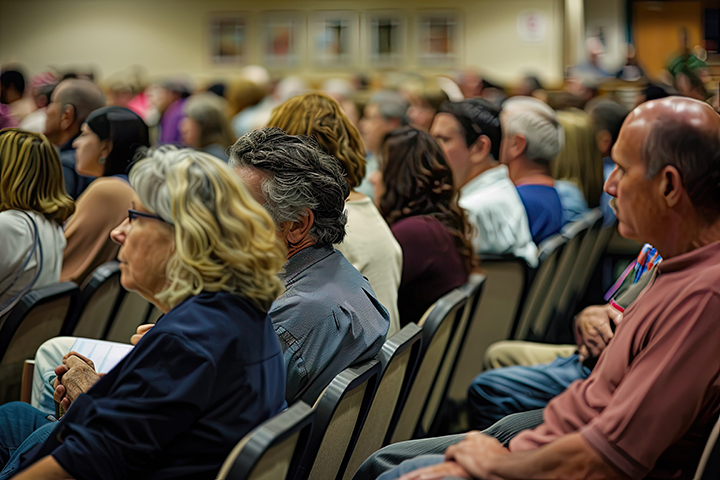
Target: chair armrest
[(27, 381)]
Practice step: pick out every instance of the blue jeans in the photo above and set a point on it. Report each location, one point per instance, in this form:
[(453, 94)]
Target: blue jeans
[(21, 428), (411, 465), (497, 393)]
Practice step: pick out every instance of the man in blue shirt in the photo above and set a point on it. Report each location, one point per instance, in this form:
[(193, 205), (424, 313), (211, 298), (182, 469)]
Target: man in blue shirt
[(328, 318)]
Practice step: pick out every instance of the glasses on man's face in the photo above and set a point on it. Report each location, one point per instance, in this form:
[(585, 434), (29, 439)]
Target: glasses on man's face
[(133, 214)]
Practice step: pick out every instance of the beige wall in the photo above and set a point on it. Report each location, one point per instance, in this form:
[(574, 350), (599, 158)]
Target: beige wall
[(610, 16), (169, 36)]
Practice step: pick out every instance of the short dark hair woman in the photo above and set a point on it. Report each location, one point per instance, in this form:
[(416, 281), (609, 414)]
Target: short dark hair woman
[(417, 198)]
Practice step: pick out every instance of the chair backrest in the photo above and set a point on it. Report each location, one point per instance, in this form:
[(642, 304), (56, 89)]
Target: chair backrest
[(39, 316), (473, 290), (273, 450), (549, 253), (709, 466), (339, 413), (438, 325), (398, 358), (98, 302), (132, 311), (493, 319)]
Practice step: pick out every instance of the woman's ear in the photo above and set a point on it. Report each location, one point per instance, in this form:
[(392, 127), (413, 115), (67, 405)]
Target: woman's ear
[(106, 147)]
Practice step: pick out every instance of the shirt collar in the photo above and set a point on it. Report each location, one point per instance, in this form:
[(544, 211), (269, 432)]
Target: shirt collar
[(485, 179), (692, 258), (69, 144), (302, 260)]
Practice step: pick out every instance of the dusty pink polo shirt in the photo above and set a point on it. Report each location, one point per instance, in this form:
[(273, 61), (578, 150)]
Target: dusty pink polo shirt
[(651, 401)]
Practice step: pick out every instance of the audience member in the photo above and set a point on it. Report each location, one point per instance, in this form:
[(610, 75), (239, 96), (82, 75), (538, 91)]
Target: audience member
[(607, 117), (532, 138), (70, 104), (425, 102), (661, 363), (469, 133), (206, 254), (205, 126), (384, 112), (42, 86), (328, 318), (105, 148), (369, 245), (169, 99), (13, 93), (417, 198), (33, 208), (243, 93)]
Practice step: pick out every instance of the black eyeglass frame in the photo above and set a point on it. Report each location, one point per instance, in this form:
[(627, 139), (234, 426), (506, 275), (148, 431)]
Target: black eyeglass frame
[(133, 214)]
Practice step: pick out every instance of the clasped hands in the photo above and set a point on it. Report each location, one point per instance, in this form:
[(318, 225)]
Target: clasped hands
[(75, 376), (470, 458)]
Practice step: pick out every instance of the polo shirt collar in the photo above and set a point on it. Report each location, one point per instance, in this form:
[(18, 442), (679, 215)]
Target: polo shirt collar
[(486, 179)]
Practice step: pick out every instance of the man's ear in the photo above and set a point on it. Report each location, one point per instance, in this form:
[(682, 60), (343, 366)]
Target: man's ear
[(603, 139), (300, 230), (517, 144), (480, 149), (671, 186), (67, 117)]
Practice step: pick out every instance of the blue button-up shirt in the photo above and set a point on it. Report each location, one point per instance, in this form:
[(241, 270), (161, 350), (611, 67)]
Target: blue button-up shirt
[(327, 319)]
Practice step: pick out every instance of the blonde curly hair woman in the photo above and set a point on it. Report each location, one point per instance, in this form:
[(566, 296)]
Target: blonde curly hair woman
[(205, 253)]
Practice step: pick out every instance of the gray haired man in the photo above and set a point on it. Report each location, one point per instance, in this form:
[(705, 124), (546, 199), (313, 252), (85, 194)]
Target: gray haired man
[(328, 318)]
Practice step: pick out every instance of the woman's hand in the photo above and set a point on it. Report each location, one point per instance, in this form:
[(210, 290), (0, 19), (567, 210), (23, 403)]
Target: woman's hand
[(141, 330)]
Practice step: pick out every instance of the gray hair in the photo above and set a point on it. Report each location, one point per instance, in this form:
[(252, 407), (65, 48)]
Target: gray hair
[(538, 123), (208, 110), (391, 105), (299, 176)]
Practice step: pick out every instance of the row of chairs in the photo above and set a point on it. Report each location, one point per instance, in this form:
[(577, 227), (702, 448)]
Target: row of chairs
[(101, 310), (392, 398)]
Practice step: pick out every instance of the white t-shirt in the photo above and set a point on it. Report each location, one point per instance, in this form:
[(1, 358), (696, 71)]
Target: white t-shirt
[(16, 240), (371, 248)]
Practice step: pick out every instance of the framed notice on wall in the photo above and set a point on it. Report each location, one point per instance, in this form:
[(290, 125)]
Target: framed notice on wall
[(334, 38), (438, 38), (387, 32), (228, 38), (283, 39)]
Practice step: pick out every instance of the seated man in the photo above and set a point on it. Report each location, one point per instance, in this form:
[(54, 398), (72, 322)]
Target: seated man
[(209, 372), (649, 405), (532, 138), (534, 373), (328, 318)]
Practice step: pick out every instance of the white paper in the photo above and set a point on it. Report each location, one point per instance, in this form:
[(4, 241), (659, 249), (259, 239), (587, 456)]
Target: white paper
[(105, 355)]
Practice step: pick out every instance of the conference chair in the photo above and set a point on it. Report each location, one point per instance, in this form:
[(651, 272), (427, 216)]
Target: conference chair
[(493, 319), (709, 466), (273, 450), (338, 415), (98, 302), (398, 358), (39, 316), (132, 311), (548, 253), (438, 325)]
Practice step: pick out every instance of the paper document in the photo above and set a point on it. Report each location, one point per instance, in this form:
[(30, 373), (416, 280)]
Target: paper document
[(105, 355)]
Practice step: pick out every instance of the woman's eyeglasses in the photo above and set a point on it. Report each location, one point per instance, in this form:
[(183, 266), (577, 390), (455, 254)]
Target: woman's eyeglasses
[(133, 214)]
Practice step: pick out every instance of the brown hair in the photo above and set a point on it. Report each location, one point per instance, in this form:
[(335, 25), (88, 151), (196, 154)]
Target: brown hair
[(320, 116), (418, 181), (31, 176)]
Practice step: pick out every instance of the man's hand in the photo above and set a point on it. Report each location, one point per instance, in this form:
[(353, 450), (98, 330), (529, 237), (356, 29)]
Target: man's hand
[(475, 454), (141, 330), (593, 329), (437, 472), (75, 376)]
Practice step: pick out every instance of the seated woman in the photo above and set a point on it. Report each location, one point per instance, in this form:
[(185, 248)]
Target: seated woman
[(416, 196), (105, 148), (33, 208), (205, 126), (205, 253), (369, 244)]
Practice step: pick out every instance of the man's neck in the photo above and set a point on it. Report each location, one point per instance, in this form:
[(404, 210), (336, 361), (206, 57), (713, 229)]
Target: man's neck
[(524, 171), (691, 233), (65, 136), (301, 245)]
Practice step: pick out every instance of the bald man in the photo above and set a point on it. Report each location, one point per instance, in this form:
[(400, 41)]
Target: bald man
[(647, 409), (70, 104)]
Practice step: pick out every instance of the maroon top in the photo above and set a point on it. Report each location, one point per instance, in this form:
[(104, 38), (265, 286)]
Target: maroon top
[(432, 265), (650, 403)]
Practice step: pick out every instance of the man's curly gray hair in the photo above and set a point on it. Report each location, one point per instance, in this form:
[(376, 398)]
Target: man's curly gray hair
[(299, 176)]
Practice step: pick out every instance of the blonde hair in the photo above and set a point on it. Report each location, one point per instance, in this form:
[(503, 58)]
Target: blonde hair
[(579, 161), (224, 240), (320, 116), (31, 176)]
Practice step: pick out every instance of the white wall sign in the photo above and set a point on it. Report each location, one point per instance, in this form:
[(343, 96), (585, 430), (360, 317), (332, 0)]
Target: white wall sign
[(532, 26)]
